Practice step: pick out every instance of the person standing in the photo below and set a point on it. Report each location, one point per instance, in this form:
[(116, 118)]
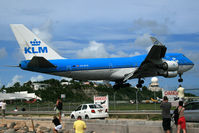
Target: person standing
[(0, 104), (181, 120), (59, 107), (166, 117), (79, 125), (3, 108), (57, 124), (180, 91)]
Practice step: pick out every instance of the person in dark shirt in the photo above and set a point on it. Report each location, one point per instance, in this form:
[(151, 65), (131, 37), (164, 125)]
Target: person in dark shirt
[(59, 107), (166, 116), (57, 124)]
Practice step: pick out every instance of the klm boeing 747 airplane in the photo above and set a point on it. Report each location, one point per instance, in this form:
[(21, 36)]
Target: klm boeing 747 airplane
[(41, 58)]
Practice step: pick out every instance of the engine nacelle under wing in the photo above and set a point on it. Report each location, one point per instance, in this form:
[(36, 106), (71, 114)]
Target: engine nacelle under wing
[(170, 66), (170, 74)]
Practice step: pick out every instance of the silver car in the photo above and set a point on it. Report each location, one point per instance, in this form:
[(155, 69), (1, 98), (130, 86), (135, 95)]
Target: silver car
[(191, 112)]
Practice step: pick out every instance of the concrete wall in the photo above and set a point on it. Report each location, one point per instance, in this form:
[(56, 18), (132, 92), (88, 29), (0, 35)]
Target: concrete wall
[(110, 125), (128, 126)]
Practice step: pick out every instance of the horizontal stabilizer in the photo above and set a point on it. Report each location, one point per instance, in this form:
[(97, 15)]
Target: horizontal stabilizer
[(40, 62)]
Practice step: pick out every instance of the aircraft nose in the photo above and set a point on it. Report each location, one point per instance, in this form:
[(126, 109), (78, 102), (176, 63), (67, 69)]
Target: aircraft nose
[(191, 64)]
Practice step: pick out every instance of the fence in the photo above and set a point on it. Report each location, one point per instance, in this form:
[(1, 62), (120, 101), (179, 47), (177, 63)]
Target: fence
[(49, 106)]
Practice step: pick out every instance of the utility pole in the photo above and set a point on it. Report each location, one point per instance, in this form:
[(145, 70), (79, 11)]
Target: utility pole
[(114, 100), (137, 89)]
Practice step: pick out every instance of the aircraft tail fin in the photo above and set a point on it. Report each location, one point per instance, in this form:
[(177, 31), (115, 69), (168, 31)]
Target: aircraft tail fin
[(31, 45)]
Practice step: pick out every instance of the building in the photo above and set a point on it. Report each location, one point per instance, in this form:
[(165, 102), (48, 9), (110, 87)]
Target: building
[(37, 86), (18, 96), (154, 85), (65, 83)]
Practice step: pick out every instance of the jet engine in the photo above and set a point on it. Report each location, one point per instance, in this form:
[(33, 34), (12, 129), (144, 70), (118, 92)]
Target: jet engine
[(170, 74), (170, 66)]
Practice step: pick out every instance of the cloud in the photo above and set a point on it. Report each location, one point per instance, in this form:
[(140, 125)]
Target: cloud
[(98, 50), (135, 54), (123, 54), (119, 54), (38, 78), (3, 52), (15, 79), (65, 78), (143, 42), (151, 26), (17, 54), (94, 50), (44, 32)]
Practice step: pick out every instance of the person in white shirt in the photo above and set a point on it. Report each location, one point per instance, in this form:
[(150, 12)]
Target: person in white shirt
[(180, 91), (3, 108), (0, 104)]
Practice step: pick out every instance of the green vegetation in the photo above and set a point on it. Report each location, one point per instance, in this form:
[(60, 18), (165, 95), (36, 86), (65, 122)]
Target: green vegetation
[(76, 91)]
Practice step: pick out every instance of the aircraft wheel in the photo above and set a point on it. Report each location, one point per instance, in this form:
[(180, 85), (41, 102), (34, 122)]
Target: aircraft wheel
[(139, 85), (141, 82), (180, 80)]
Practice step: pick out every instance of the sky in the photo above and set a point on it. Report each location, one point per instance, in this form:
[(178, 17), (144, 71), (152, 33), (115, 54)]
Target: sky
[(101, 29)]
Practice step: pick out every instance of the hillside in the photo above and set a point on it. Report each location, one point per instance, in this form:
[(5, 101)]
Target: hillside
[(76, 91)]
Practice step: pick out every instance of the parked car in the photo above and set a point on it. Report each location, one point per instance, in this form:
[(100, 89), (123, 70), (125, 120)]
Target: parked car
[(191, 112), (90, 111)]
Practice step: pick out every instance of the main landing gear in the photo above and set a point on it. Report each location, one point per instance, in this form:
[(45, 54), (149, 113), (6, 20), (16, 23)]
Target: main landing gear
[(140, 82), (180, 79), (119, 85)]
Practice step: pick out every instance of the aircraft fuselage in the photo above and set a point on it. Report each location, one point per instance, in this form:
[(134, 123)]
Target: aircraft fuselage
[(112, 69)]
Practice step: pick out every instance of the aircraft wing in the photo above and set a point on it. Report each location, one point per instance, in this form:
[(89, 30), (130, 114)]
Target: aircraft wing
[(40, 62), (149, 66)]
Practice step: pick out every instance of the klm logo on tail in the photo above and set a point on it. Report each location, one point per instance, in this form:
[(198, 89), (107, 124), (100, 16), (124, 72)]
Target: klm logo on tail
[(35, 48), (35, 42)]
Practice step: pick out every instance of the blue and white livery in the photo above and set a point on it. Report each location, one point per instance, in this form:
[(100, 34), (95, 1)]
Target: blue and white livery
[(41, 58)]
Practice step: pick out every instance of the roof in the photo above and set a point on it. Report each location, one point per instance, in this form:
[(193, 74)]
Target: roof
[(18, 95)]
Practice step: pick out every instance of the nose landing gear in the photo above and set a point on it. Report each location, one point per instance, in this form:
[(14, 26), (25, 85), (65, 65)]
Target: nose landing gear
[(180, 79)]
